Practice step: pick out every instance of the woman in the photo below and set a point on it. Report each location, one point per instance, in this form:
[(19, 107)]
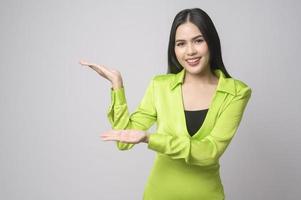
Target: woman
[(197, 106)]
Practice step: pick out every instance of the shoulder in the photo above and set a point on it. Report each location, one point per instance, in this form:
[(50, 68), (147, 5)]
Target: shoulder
[(241, 87), (163, 78)]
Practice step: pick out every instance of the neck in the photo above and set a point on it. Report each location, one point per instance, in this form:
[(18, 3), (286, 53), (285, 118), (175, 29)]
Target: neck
[(204, 78)]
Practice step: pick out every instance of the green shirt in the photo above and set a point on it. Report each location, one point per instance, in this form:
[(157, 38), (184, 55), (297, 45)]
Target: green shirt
[(186, 167)]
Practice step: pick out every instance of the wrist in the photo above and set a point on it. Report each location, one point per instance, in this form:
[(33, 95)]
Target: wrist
[(117, 83), (116, 86), (146, 138)]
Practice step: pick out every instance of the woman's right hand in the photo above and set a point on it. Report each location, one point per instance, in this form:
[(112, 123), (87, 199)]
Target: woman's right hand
[(112, 75)]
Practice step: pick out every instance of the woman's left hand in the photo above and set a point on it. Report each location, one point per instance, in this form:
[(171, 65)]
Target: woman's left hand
[(127, 136)]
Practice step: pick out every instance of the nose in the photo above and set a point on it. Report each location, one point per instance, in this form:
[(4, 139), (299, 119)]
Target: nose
[(190, 49)]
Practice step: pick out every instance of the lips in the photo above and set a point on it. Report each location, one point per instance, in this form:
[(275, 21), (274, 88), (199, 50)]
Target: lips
[(193, 60)]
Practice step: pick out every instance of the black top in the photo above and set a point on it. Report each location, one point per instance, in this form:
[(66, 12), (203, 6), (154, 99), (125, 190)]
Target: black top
[(194, 120)]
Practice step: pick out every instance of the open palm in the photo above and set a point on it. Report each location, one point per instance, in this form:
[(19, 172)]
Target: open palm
[(112, 75), (127, 136)]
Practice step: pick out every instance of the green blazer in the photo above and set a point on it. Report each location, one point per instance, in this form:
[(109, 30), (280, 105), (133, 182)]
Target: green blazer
[(162, 103)]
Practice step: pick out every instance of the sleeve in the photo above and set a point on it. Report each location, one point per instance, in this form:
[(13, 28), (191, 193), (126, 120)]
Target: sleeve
[(141, 119), (207, 151)]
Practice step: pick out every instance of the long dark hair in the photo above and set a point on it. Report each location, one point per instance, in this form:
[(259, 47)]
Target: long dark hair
[(201, 19)]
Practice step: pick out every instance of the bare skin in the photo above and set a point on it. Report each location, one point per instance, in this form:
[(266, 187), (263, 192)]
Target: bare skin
[(199, 83), (127, 136), (112, 75)]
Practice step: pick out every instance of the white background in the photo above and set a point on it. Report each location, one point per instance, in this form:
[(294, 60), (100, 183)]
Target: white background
[(52, 110)]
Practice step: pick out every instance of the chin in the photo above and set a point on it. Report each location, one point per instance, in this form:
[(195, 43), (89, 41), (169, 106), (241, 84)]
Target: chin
[(194, 70)]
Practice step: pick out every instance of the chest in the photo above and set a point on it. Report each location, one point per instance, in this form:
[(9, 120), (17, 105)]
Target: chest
[(171, 110), (196, 98)]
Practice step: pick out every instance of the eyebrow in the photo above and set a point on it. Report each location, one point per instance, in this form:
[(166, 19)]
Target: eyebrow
[(191, 39)]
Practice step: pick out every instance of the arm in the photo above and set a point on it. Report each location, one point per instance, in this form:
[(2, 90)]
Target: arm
[(141, 119), (208, 150)]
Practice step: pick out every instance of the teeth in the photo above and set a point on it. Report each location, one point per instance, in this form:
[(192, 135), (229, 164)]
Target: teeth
[(193, 60)]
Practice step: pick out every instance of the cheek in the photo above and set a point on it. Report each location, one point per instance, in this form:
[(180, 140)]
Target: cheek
[(179, 52), (203, 49)]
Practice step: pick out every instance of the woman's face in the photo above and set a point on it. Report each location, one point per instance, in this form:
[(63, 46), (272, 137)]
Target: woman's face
[(191, 49)]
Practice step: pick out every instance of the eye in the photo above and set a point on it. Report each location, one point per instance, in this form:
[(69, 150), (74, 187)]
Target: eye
[(180, 44), (199, 40)]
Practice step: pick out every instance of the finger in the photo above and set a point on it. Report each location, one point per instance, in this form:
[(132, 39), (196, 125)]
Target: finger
[(92, 65), (86, 63), (109, 140), (98, 68), (83, 62), (111, 131), (110, 134), (102, 69), (109, 137)]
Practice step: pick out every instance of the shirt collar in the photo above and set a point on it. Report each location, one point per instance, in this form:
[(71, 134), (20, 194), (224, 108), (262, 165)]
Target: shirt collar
[(224, 84)]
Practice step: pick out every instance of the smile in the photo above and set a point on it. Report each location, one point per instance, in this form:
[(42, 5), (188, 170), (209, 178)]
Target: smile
[(193, 61)]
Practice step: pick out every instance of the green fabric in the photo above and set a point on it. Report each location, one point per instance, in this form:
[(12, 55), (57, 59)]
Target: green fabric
[(186, 167)]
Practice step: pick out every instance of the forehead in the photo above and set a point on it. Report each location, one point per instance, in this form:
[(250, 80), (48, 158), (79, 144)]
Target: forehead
[(187, 30)]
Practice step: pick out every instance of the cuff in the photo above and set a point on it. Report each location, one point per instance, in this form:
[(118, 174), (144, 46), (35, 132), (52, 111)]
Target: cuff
[(118, 96), (156, 142)]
